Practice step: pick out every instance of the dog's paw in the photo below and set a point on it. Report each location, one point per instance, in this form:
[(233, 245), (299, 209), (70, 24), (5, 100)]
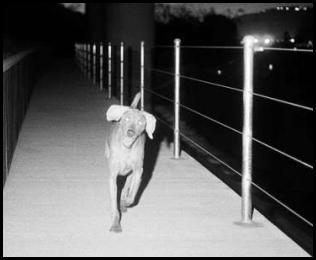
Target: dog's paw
[(123, 208), (116, 228), (124, 205)]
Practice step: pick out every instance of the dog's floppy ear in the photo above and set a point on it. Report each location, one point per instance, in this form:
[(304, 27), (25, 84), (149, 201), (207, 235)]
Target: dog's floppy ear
[(115, 112), (150, 124)]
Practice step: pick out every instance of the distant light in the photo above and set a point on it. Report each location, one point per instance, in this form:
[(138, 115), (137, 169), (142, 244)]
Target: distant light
[(256, 40), (292, 40), (219, 72), (305, 8), (267, 41), (296, 9), (270, 66), (287, 8)]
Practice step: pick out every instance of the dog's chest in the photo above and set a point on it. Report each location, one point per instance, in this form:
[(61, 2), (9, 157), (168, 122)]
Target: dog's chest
[(128, 160)]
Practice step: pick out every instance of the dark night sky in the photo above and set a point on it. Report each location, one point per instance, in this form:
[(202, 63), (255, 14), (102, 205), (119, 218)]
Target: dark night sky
[(248, 7), (218, 7)]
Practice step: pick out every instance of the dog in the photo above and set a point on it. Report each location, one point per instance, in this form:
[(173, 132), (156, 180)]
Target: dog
[(124, 150)]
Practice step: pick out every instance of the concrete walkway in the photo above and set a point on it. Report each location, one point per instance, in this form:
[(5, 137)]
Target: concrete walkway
[(56, 203)]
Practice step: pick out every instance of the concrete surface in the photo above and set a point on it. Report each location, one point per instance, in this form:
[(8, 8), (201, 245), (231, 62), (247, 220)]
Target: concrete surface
[(55, 201)]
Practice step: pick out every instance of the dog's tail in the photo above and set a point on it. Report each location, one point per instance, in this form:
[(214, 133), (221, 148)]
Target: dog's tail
[(135, 100)]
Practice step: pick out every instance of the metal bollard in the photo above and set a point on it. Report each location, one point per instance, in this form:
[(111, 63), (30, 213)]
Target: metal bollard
[(122, 75), (142, 54), (176, 149), (101, 66), (109, 70), (249, 42)]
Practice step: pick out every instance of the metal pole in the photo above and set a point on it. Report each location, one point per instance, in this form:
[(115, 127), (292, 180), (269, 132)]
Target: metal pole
[(122, 75), (76, 53), (94, 61), (101, 66), (109, 71), (85, 60), (142, 45), (176, 150), (80, 56), (89, 62), (249, 42)]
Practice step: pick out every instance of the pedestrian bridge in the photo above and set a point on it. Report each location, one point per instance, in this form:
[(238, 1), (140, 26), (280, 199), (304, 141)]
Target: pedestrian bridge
[(56, 197)]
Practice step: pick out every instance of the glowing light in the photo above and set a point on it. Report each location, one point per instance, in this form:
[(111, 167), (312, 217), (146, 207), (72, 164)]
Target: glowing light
[(219, 72), (270, 66), (292, 40), (267, 41), (296, 9)]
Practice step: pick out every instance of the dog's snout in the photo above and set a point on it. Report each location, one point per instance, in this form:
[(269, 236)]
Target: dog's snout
[(130, 133)]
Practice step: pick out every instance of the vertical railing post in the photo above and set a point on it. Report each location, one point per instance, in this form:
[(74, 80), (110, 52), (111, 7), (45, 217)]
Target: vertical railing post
[(101, 66), (85, 59), (142, 75), (76, 53), (94, 63), (109, 70), (122, 75), (176, 150), (81, 57), (249, 42), (89, 61)]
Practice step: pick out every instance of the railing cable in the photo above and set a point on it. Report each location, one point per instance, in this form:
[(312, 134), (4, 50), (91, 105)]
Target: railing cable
[(284, 102), (234, 130), (254, 184), (283, 153)]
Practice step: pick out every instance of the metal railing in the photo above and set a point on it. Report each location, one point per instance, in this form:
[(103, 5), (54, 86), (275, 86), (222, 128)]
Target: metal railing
[(249, 48), (18, 78)]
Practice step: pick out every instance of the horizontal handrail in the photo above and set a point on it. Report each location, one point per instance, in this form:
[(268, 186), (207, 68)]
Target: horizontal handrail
[(283, 153), (283, 101), (235, 130), (11, 61), (158, 95), (234, 89), (234, 48), (287, 49)]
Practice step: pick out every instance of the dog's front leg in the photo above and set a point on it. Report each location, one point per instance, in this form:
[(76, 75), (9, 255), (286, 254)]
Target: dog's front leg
[(137, 176), (116, 226), (125, 193)]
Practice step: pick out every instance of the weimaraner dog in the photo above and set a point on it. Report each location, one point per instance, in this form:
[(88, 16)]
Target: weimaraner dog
[(124, 149)]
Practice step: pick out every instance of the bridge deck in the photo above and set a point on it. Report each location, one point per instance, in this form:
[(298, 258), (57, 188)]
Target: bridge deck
[(55, 201)]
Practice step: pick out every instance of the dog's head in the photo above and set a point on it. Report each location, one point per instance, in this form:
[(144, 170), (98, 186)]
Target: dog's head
[(133, 122)]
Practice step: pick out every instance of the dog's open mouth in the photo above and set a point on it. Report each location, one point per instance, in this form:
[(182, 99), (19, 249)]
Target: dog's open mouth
[(128, 141)]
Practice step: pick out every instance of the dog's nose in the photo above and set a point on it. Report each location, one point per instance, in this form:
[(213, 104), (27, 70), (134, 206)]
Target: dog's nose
[(130, 132)]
